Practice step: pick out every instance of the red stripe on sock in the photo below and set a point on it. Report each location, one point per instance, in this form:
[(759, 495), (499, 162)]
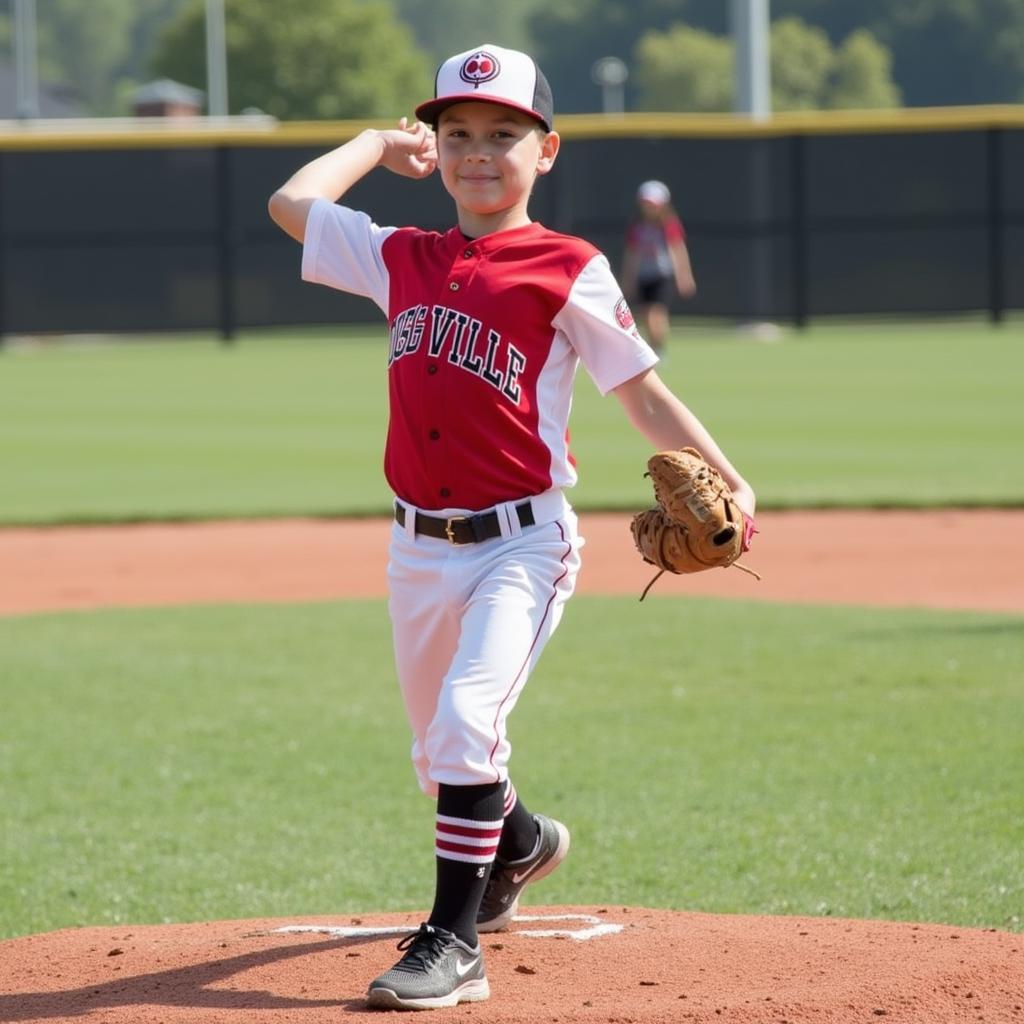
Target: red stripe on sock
[(471, 833), (474, 851)]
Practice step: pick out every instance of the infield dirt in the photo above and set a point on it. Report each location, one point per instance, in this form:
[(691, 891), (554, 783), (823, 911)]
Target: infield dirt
[(943, 559)]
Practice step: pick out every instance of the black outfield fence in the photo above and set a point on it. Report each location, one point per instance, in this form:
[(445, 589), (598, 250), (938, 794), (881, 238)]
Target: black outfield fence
[(914, 212)]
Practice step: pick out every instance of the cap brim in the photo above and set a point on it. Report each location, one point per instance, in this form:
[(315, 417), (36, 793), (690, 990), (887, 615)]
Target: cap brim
[(432, 109)]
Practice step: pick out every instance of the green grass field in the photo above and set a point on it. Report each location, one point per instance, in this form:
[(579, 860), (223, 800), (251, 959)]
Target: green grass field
[(286, 424), (230, 762), (224, 762)]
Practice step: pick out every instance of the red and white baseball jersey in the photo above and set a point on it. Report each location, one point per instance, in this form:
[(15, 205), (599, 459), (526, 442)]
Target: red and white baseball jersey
[(486, 335)]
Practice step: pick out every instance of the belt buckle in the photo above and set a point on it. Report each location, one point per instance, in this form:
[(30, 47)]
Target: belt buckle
[(448, 531)]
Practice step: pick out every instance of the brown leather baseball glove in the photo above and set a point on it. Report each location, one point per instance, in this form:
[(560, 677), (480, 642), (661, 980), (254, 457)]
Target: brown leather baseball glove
[(696, 524)]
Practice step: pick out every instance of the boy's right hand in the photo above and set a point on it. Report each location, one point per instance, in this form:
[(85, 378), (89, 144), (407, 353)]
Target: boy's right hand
[(409, 151)]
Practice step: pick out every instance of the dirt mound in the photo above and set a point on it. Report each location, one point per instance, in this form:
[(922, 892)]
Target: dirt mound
[(567, 964)]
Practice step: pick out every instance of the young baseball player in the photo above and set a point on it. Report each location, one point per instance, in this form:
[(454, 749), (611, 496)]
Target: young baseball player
[(656, 260), (487, 325)]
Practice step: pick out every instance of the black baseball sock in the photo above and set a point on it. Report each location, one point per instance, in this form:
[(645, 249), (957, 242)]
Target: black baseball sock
[(519, 833), (469, 824)]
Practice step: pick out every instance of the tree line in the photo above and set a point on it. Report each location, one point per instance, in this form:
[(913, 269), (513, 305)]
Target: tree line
[(326, 59)]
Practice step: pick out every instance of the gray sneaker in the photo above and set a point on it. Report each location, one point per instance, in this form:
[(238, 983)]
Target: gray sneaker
[(508, 879), (438, 969)]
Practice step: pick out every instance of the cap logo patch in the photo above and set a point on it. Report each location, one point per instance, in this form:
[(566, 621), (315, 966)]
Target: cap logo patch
[(479, 67), (623, 314)]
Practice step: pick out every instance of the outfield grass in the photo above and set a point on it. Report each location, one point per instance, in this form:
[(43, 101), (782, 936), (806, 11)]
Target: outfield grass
[(285, 424), (229, 762)]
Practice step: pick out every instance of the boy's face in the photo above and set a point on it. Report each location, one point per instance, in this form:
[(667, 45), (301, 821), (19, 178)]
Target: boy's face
[(490, 155)]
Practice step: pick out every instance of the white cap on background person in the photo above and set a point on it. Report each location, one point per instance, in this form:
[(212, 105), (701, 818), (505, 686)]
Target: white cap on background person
[(655, 192), (491, 74)]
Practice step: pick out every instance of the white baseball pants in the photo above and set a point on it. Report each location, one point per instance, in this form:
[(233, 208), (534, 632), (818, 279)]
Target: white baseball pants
[(469, 624)]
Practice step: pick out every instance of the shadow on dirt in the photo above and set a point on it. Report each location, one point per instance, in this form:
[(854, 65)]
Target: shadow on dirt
[(181, 987)]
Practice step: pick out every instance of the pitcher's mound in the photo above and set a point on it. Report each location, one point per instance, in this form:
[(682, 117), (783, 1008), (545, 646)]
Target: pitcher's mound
[(567, 964)]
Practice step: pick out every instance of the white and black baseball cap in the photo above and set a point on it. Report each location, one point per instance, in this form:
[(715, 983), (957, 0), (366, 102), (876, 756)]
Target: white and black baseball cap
[(491, 74)]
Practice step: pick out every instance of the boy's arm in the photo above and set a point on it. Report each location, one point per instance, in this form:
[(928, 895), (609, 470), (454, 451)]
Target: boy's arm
[(667, 423), (411, 152)]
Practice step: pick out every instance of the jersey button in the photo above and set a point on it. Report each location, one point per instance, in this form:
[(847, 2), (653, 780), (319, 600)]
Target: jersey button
[(435, 435), (453, 285), (468, 254), (432, 369), (445, 493)]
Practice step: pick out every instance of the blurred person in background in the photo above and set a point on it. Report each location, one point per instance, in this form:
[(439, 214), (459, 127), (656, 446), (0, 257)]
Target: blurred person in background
[(656, 261)]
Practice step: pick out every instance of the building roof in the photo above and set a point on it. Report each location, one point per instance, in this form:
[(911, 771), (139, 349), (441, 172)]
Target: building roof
[(166, 90)]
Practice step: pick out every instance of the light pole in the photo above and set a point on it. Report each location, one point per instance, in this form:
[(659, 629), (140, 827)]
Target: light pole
[(216, 60), (752, 75), (750, 30), (25, 59), (611, 73)]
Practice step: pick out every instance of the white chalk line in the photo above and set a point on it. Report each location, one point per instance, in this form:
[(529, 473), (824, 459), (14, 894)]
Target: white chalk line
[(596, 930)]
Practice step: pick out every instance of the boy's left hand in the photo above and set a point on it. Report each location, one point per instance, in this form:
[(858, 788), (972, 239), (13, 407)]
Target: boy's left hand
[(697, 523)]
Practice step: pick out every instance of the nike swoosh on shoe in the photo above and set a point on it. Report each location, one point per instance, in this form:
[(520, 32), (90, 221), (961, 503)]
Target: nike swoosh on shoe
[(517, 878), (462, 968)]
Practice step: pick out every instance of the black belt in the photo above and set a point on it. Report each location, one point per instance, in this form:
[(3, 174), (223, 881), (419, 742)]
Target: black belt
[(464, 529)]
